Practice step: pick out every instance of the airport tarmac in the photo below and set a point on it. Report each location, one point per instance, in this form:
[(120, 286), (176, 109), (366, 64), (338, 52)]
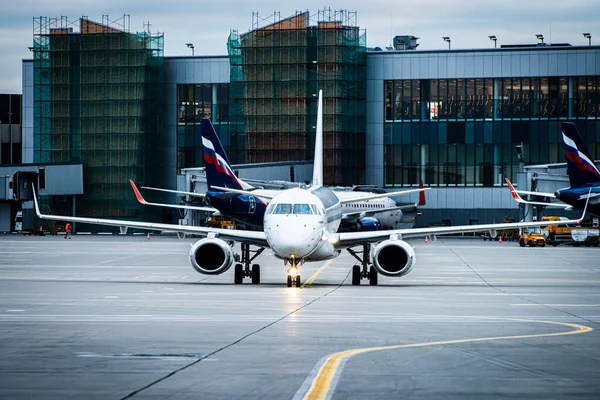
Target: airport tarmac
[(115, 317)]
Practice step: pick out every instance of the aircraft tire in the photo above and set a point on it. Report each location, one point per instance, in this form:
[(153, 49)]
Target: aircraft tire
[(356, 275), (289, 281), (238, 274), (255, 274), (298, 281), (372, 276)]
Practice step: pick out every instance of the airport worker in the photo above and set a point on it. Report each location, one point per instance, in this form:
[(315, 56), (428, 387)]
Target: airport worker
[(68, 229)]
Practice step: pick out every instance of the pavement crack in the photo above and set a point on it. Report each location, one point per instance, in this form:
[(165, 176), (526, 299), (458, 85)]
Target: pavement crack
[(204, 357)]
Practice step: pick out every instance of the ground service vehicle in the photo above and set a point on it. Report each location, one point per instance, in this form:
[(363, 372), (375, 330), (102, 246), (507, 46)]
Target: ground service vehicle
[(585, 236), (556, 234), (532, 237)]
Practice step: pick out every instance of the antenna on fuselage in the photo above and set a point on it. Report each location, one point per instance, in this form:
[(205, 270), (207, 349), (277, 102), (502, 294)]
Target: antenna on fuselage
[(317, 179)]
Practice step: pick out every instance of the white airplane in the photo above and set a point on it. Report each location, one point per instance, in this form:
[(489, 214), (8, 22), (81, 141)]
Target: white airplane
[(300, 226)]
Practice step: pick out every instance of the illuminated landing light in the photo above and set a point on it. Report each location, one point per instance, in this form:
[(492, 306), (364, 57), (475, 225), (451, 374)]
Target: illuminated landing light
[(292, 271)]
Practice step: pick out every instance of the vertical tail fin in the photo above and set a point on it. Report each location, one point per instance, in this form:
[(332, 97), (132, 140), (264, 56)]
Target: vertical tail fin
[(317, 179), (218, 168), (580, 165)]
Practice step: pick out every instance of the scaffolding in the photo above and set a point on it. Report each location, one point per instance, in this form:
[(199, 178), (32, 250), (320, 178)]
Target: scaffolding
[(277, 70), (96, 102)]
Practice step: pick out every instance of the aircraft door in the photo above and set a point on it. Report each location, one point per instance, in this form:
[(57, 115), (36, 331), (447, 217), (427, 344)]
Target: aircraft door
[(252, 208)]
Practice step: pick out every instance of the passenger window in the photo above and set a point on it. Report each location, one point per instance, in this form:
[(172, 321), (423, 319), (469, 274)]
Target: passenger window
[(283, 209), (301, 209)]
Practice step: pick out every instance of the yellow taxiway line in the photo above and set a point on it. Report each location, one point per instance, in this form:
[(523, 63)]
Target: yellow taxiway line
[(312, 278), (322, 383)]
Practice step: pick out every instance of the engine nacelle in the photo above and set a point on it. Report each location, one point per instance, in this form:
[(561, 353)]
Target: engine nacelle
[(366, 224), (211, 256), (393, 258)]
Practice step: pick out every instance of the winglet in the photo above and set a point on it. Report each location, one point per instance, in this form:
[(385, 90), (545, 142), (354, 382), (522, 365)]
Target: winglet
[(35, 203), (422, 200), (585, 208), (514, 193), (137, 193)]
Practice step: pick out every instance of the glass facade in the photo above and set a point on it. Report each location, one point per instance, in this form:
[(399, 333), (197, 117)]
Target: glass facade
[(463, 132), (195, 102)]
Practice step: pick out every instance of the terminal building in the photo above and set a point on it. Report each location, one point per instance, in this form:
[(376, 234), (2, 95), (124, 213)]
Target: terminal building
[(97, 94)]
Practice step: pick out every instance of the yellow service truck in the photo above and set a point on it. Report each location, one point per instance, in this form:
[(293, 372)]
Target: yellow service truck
[(532, 236), (556, 234)]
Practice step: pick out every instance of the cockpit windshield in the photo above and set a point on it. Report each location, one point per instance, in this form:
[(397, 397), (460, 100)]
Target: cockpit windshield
[(284, 208), (302, 209)]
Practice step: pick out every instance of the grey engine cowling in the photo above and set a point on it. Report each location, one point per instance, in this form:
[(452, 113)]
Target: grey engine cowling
[(211, 256), (393, 257)]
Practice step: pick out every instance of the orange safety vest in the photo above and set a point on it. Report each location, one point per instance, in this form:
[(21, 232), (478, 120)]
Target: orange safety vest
[(68, 228)]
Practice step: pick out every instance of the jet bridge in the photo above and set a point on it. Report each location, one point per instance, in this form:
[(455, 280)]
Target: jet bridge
[(16, 192)]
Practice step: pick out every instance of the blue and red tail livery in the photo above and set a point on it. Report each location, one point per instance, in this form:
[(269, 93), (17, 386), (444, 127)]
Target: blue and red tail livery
[(580, 165), (218, 169)]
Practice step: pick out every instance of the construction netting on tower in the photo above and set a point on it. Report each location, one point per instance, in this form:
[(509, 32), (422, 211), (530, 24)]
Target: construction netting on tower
[(277, 70), (97, 91)]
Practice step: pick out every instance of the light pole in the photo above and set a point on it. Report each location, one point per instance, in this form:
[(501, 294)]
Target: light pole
[(447, 39), (191, 46), (494, 38), (539, 36), (588, 36)]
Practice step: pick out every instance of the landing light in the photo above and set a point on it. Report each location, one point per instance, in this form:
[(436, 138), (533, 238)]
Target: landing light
[(293, 271)]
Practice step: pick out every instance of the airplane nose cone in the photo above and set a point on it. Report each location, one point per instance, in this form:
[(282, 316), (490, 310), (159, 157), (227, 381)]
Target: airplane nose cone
[(288, 236)]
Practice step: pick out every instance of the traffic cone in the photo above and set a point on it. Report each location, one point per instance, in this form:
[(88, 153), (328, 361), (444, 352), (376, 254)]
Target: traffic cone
[(148, 236), (426, 239), (500, 240)]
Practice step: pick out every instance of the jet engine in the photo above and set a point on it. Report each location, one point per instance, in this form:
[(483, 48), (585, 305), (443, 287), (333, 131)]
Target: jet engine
[(393, 258), (365, 224), (211, 256)]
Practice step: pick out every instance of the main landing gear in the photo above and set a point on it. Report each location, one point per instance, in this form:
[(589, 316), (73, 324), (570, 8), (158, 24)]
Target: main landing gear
[(293, 278), (242, 271), (367, 271)]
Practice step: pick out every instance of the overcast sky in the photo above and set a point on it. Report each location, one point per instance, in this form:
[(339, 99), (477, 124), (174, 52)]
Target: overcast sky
[(207, 24)]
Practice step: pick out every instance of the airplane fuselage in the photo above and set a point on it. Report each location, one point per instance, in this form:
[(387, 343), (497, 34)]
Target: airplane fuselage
[(248, 209), (577, 197), (299, 221)]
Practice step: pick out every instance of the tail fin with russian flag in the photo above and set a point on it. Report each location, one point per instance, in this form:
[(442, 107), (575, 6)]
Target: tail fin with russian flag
[(218, 168), (580, 166)]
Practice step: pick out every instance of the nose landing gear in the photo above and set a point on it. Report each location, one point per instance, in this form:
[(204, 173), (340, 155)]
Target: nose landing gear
[(293, 278), (367, 271), (242, 271)]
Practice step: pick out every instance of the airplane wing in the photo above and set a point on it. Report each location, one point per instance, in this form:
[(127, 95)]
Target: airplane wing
[(141, 200), (350, 239), (251, 237), (175, 191), (381, 195), (519, 199)]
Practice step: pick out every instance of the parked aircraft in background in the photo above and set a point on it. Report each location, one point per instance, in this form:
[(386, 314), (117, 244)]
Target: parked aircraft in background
[(361, 211), (300, 225), (584, 178)]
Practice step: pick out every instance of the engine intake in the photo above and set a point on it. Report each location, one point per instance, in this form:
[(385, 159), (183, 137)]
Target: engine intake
[(211, 256), (393, 258)]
